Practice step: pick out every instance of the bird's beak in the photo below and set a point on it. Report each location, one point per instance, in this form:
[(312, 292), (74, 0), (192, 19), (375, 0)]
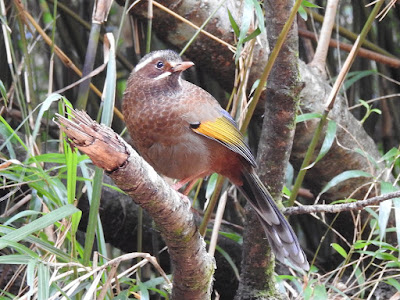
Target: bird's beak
[(179, 67)]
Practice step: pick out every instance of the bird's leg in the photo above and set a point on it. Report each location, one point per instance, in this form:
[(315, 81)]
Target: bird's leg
[(191, 180), (177, 186), (189, 187)]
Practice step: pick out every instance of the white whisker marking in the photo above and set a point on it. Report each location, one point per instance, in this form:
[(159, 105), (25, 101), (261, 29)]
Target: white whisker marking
[(163, 75)]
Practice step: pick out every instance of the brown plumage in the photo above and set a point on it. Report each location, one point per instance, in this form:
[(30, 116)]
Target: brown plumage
[(183, 132)]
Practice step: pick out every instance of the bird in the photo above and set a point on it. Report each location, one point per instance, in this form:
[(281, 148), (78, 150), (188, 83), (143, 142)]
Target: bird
[(183, 133)]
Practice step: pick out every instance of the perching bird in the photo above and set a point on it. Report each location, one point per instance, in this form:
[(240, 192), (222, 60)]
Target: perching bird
[(183, 132)]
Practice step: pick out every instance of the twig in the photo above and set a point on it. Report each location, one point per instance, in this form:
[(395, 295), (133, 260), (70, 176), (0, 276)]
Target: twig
[(349, 35), (336, 208), (369, 54)]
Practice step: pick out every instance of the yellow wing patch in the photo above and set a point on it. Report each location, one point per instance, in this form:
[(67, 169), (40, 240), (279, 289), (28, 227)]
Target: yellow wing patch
[(225, 132)]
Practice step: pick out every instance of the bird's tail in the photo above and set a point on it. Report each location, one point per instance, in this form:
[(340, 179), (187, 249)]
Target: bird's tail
[(281, 237)]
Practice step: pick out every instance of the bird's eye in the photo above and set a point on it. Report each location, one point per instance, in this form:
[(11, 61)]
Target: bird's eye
[(159, 65)]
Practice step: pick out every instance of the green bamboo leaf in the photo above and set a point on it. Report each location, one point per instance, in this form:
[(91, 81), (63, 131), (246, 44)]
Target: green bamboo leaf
[(393, 282), (308, 292), (212, 181), (360, 244), (252, 35), (247, 16), (162, 293), (390, 155), (229, 260), (328, 141), (57, 158), (48, 219), (15, 259), (47, 17), (396, 203), (234, 25), (93, 224), (22, 250), (110, 84), (144, 292), (22, 214), (233, 236), (43, 282), (9, 143), (151, 283), (320, 292), (246, 19), (45, 106), (364, 103), (303, 13), (254, 87), (385, 208), (3, 92), (344, 176), (384, 245), (339, 249), (360, 279), (372, 213), (123, 295), (30, 275), (44, 245), (306, 3), (12, 134), (308, 116), (353, 77), (385, 256), (393, 264), (260, 15)]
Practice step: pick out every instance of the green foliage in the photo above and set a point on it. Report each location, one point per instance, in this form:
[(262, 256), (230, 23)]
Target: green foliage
[(242, 31), (342, 177), (3, 92), (353, 77), (339, 249), (330, 135), (307, 117), (302, 10), (369, 111)]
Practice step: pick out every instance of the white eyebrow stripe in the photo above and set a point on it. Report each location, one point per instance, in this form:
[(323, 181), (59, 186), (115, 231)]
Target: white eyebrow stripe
[(163, 75), (143, 63)]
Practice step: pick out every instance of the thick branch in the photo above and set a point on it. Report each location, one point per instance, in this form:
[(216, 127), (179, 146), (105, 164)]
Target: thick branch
[(193, 267)]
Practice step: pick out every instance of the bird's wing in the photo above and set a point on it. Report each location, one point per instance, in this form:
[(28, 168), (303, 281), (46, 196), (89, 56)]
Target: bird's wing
[(224, 130)]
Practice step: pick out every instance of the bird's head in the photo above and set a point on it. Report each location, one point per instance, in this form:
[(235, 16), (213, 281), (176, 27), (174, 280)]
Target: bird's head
[(163, 66)]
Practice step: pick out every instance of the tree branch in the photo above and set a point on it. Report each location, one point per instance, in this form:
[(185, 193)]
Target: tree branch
[(336, 208), (192, 274), (365, 53)]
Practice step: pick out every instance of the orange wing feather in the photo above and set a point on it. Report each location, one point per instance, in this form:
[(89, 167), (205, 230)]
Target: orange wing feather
[(224, 131)]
